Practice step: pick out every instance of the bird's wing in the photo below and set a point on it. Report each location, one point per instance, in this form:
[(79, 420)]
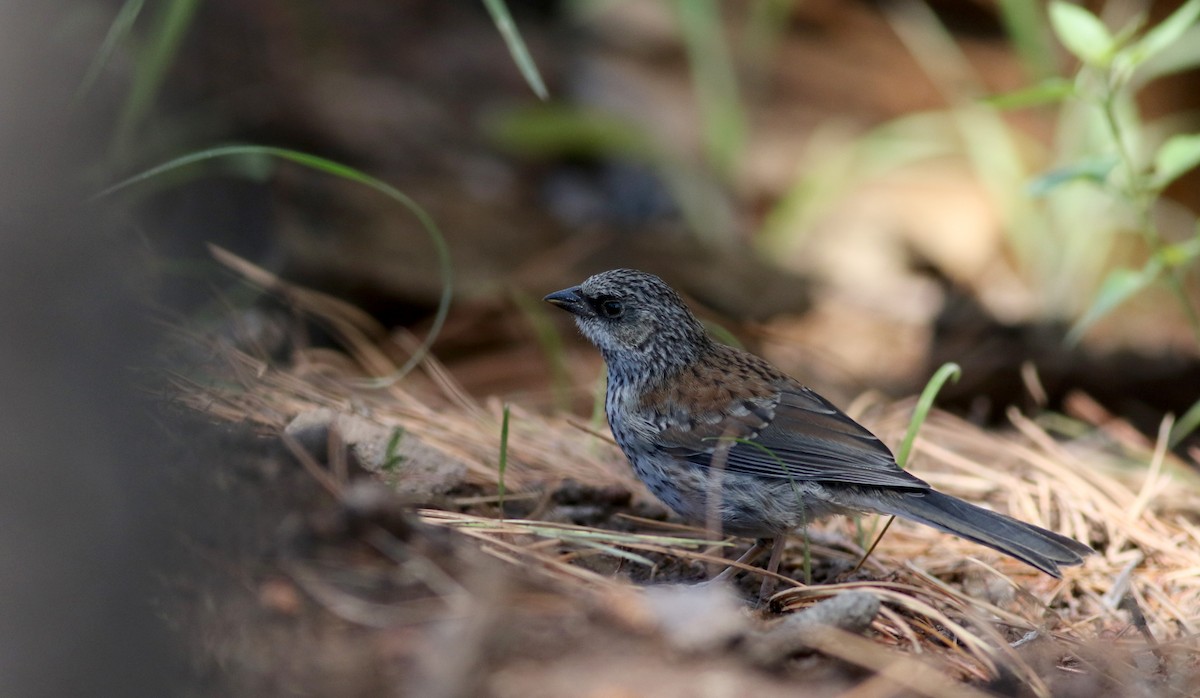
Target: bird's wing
[(801, 437)]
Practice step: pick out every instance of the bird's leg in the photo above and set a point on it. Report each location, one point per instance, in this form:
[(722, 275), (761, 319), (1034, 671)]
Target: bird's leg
[(768, 584), (759, 547)]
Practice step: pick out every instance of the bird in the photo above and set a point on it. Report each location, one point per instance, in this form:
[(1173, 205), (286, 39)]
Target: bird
[(721, 435)]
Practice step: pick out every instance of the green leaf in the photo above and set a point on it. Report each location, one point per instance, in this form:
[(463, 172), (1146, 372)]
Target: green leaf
[(1177, 156), (1118, 287), (1182, 55), (1165, 33), (1082, 33), (1095, 170), (516, 46), (1048, 91), (1181, 254)]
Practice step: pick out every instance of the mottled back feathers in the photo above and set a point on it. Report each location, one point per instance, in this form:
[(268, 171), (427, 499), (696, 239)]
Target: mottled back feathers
[(720, 434), (770, 425)]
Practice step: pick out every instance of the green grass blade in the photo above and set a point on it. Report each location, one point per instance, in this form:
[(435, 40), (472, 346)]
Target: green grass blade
[(1026, 25), (767, 23), (551, 342), (392, 458), (612, 550), (807, 559), (715, 82), (502, 466), (1166, 33), (948, 371), (1188, 423), (1051, 90), (599, 398), (173, 20), (516, 46), (346, 172), (117, 31), (722, 335), (554, 130), (1119, 286)]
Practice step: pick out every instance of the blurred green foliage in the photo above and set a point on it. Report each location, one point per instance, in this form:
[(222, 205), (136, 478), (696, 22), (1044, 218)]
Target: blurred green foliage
[(1125, 159), (1103, 173), (1067, 210)]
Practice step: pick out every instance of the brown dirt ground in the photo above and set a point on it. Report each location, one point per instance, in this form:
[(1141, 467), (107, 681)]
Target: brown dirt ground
[(381, 564)]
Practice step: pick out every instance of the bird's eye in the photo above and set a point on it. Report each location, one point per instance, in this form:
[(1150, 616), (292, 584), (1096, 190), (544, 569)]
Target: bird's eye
[(612, 309)]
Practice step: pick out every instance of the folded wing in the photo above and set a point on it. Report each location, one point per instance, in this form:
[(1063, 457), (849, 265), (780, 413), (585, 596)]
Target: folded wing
[(803, 437)]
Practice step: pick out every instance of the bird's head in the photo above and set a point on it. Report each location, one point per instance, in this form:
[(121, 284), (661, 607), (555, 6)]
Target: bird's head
[(634, 318)]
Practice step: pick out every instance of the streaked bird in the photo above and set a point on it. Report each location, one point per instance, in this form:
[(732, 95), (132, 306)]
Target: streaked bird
[(715, 430)]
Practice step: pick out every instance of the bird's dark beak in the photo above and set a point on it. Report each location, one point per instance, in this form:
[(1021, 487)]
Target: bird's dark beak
[(569, 299)]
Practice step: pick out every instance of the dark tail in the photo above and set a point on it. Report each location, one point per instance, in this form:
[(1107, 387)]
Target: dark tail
[(1045, 550)]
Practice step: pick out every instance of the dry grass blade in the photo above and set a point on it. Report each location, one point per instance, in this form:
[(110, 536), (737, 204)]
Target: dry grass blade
[(946, 598), (613, 543), (906, 672), (922, 611)]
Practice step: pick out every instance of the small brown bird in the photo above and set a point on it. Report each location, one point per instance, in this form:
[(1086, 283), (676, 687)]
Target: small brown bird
[(713, 429)]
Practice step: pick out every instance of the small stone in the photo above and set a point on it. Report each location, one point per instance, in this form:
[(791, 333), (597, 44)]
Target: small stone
[(699, 617), (851, 612), (407, 463)]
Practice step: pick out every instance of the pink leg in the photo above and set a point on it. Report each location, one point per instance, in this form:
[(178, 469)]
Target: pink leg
[(768, 584), (759, 547)]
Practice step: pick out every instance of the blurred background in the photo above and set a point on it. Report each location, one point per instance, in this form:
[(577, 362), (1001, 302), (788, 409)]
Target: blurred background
[(860, 191)]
